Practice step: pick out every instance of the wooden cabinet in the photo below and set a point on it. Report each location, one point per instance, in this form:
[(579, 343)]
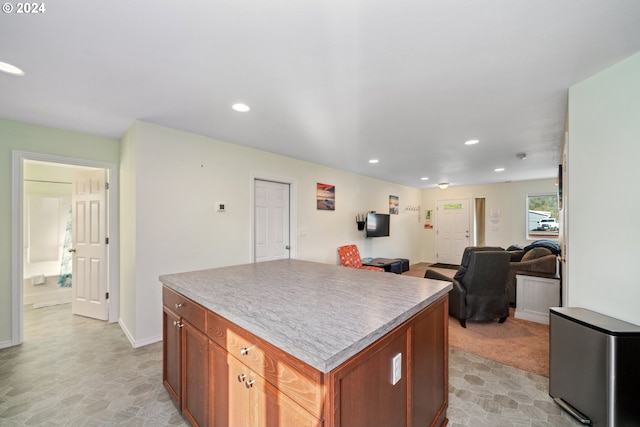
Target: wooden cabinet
[(186, 361), (364, 393), (223, 375), (294, 379), (242, 397), (428, 340), (171, 366)]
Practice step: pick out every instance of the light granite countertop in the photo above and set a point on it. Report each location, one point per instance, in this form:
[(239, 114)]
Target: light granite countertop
[(322, 314)]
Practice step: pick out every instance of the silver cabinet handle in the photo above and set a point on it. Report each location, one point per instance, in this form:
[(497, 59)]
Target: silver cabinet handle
[(249, 383), (241, 377), (244, 351), (178, 324), (178, 306)]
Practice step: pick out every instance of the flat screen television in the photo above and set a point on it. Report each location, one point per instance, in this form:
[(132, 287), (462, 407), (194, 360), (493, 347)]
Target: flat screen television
[(377, 225)]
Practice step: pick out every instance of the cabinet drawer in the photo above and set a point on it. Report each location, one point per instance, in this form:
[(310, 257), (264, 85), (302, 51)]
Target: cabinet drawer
[(185, 308), (298, 381)]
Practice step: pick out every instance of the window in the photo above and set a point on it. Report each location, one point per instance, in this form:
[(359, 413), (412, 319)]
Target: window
[(542, 216)]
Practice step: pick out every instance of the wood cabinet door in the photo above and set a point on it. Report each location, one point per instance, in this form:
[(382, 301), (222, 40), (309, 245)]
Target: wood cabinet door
[(195, 375), (231, 400), (171, 372), (240, 397), (274, 409), (430, 366), (364, 390)]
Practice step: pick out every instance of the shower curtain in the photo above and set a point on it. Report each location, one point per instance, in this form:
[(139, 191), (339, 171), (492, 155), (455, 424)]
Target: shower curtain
[(67, 257)]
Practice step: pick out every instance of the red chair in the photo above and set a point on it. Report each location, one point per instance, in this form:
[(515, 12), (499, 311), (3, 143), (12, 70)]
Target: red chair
[(350, 257)]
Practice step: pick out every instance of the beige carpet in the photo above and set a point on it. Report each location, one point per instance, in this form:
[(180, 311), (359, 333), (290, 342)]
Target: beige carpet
[(518, 343)]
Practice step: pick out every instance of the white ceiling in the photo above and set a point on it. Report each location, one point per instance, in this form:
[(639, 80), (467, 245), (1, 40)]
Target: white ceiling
[(334, 82)]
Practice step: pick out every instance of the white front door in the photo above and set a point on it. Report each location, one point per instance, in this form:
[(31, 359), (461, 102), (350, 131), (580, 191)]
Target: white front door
[(271, 220), (89, 270), (452, 227)]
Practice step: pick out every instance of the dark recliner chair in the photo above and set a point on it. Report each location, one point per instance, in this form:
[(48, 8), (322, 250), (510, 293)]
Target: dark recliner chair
[(479, 287)]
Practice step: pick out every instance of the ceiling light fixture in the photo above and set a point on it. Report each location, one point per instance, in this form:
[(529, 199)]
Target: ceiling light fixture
[(498, 170), (241, 108), (11, 69), (443, 185), (373, 161), (471, 142)]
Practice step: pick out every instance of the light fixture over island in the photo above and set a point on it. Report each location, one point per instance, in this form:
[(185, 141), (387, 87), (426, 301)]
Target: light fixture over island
[(293, 342)]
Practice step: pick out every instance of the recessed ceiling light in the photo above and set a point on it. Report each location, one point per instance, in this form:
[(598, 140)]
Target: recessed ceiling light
[(471, 142), (425, 178), (373, 161), (498, 170), (11, 69), (242, 108)]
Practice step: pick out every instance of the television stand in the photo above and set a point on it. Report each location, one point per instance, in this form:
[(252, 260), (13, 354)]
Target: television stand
[(390, 265)]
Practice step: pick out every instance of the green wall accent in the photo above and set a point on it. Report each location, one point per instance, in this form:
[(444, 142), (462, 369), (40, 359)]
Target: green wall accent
[(36, 139)]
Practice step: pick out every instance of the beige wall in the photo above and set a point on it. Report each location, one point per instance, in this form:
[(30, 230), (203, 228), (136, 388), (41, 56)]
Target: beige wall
[(603, 202), (507, 199), (170, 182)]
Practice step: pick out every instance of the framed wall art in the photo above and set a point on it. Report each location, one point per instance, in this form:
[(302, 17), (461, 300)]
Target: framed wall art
[(326, 197)]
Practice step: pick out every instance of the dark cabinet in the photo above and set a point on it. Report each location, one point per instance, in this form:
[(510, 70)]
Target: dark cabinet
[(186, 361)]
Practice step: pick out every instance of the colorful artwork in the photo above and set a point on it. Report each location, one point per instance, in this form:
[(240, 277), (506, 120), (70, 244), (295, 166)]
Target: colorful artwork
[(394, 205), (326, 197)]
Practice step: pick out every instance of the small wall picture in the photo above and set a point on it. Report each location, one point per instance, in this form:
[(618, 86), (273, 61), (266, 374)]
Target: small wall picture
[(326, 197), (394, 205)]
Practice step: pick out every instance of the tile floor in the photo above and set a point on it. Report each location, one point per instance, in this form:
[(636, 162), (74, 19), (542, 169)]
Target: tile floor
[(74, 371)]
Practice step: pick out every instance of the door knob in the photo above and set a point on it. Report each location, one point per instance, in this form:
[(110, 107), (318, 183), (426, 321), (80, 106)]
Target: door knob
[(72, 250), (287, 247)]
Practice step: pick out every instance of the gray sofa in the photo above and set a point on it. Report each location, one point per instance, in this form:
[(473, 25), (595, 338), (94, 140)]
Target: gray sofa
[(532, 259)]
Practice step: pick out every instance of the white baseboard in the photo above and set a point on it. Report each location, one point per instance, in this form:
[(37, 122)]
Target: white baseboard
[(152, 340), (139, 343), (6, 344)]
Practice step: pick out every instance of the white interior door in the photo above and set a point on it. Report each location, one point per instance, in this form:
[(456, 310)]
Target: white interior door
[(452, 226), (271, 233), (89, 270)]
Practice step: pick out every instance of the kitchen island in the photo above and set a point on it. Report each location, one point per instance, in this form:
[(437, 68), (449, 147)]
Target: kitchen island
[(294, 342)]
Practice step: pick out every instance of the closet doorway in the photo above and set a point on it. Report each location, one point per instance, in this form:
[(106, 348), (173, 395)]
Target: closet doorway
[(271, 217), (62, 255), (274, 202)]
